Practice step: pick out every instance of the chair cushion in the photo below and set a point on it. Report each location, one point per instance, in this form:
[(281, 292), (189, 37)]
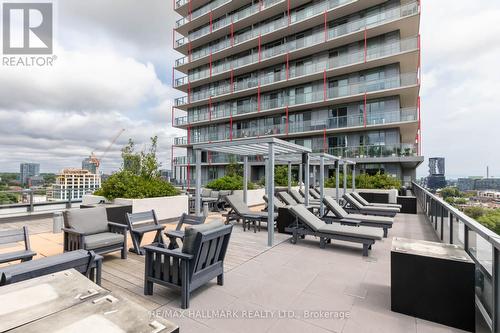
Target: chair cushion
[(191, 232), (349, 231), (101, 240), (87, 221), (214, 194), (336, 209), (205, 192)]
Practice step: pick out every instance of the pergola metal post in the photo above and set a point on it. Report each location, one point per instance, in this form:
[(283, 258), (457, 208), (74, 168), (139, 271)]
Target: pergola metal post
[(197, 204), (306, 176), (345, 177), (270, 195), (321, 185), (314, 176), (337, 175), (300, 175), (289, 176), (245, 179), (353, 177)]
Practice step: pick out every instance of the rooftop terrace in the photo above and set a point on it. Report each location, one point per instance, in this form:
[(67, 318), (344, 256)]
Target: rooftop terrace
[(336, 281)]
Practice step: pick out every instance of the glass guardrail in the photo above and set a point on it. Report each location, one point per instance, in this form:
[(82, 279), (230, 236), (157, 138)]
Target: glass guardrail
[(372, 119), (318, 37)]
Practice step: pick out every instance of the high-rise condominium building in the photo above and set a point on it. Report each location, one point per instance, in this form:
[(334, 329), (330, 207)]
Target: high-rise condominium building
[(74, 184), (337, 76), (28, 170)]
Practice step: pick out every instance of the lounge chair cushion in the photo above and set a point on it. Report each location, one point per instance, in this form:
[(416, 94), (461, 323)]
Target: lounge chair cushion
[(349, 231), (372, 218), (87, 221), (359, 206), (364, 202), (102, 240), (190, 233), (205, 192), (307, 217)]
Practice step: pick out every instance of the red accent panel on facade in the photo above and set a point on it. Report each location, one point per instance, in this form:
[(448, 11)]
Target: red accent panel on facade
[(419, 73), (232, 80), (231, 126), (172, 115), (189, 92), (364, 112), (324, 141), (190, 9), (288, 12), (232, 32), (189, 175), (173, 77), (189, 135), (211, 25), (173, 38)]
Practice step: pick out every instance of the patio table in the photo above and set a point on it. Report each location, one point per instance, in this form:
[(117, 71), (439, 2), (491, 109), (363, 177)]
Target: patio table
[(69, 302)]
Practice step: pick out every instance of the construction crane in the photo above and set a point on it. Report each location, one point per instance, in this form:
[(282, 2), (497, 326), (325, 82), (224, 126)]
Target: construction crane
[(97, 160)]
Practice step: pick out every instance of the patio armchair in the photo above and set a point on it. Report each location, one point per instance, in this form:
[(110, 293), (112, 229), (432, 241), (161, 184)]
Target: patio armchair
[(13, 237), (178, 233), (89, 229), (200, 260), (140, 224), (306, 223)]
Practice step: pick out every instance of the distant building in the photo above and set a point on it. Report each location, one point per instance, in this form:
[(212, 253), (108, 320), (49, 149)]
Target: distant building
[(436, 178), (491, 195), (74, 184), (90, 164), (36, 181), (478, 184), (27, 170)]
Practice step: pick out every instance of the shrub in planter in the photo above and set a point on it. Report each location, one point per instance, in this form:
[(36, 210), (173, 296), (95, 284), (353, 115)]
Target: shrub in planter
[(365, 181), (229, 183), (125, 184)]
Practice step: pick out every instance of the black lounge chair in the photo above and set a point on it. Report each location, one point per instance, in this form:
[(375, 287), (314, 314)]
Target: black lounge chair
[(240, 211), (306, 223), (355, 206), (141, 223), (363, 201), (12, 237), (340, 215), (89, 229), (200, 260), (301, 199), (276, 202), (178, 233)]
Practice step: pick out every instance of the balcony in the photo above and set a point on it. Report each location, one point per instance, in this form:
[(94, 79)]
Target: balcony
[(319, 37), (377, 55), (347, 93), (308, 128), (305, 13)]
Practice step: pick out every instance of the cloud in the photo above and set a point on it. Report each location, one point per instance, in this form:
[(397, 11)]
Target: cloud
[(460, 52)]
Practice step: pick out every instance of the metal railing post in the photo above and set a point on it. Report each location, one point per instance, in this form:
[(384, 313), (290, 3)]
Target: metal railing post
[(451, 226)]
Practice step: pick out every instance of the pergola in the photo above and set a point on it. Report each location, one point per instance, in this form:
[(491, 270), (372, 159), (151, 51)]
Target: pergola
[(268, 147)]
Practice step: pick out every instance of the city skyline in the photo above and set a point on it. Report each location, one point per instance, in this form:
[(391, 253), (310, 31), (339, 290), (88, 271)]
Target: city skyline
[(91, 98)]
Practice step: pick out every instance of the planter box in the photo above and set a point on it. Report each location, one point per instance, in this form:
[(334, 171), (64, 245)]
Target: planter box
[(166, 208), (90, 199), (254, 197)]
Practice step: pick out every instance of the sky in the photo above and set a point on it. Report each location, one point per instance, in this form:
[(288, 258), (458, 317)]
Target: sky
[(114, 65)]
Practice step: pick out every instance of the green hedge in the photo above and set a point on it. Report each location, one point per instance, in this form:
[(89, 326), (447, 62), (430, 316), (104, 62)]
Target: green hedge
[(125, 184), (365, 181), (229, 183)]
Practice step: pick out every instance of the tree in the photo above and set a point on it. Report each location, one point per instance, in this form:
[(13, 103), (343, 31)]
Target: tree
[(149, 165), (450, 192), (131, 159), (234, 169)]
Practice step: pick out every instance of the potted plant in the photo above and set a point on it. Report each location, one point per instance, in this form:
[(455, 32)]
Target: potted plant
[(139, 184)]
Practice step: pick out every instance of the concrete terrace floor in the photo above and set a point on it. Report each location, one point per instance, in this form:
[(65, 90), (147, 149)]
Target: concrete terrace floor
[(286, 288)]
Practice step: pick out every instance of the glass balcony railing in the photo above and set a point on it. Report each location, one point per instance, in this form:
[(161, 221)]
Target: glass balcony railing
[(374, 151), (316, 37), (286, 98), (358, 120), (313, 67), (199, 11)]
